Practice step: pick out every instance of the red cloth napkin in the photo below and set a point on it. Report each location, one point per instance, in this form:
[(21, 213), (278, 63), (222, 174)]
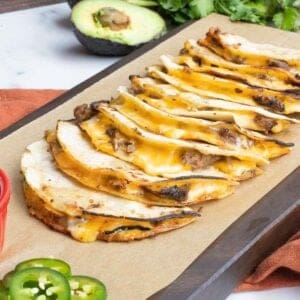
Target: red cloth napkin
[(15, 104), (280, 269)]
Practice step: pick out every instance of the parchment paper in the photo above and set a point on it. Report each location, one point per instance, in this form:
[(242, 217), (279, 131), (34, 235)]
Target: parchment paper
[(138, 269)]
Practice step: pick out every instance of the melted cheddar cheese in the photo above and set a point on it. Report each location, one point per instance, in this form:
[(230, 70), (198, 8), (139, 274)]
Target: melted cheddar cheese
[(238, 49), (264, 76)]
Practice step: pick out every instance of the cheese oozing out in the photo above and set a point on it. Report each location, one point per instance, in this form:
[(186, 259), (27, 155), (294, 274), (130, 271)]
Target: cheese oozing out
[(240, 50), (92, 214), (221, 134), (113, 133), (76, 157)]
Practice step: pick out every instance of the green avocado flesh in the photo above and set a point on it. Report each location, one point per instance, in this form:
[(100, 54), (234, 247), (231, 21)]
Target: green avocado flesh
[(117, 21)]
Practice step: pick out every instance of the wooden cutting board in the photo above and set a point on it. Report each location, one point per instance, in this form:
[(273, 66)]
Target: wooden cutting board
[(209, 257)]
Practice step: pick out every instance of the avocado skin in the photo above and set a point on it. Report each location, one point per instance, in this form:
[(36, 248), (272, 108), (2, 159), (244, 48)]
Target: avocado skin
[(73, 2), (103, 47)]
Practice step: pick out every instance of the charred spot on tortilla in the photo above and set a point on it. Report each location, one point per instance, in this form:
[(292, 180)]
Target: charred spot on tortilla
[(293, 92), (179, 214), (271, 102), (175, 192), (281, 143), (279, 64)]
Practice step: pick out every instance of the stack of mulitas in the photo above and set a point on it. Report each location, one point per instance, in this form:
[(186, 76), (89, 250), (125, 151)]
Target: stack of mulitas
[(141, 163)]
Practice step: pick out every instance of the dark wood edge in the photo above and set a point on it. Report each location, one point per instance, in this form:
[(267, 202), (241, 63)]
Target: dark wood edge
[(12, 5), (85, 84), (256, 234)]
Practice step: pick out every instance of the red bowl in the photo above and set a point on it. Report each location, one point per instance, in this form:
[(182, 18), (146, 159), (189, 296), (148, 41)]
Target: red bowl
[(4, 198)]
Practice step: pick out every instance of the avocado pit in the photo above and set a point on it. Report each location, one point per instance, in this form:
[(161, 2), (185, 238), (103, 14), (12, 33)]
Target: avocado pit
[(111, 18)]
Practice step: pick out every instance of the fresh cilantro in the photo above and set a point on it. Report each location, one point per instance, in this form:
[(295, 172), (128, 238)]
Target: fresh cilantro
[(289, 19), (284, 14)]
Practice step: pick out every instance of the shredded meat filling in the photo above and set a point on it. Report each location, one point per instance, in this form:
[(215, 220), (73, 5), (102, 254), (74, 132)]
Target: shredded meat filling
[(119, 141), (197, 160), (83, 112), (228, 135), (265, 122)]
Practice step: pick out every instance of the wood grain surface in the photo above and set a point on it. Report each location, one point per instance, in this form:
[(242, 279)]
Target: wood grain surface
[(11, 5)]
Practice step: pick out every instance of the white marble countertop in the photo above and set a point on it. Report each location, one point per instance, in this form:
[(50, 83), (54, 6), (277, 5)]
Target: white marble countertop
[(39, 50)]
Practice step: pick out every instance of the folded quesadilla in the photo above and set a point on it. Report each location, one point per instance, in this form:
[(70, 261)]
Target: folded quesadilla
[(87, 215), (114, 134), (264, 76), (230, 90), (174, 101), (75, 156), (239, 50), (221, 134)]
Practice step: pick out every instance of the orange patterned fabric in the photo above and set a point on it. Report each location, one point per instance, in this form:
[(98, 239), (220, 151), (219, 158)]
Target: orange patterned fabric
[(280, 269), (15, 104)]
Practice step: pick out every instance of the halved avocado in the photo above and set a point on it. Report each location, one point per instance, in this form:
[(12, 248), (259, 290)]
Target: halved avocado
[(114, 27)]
